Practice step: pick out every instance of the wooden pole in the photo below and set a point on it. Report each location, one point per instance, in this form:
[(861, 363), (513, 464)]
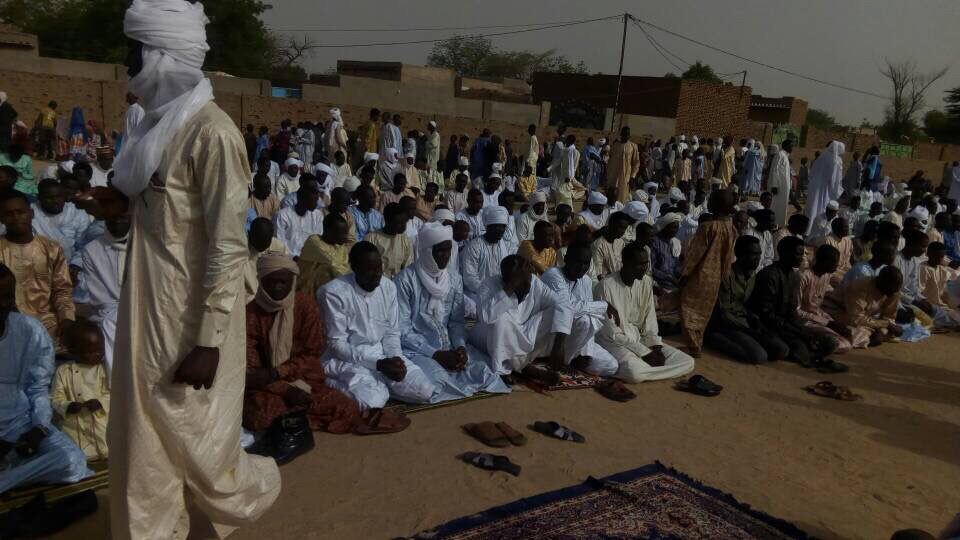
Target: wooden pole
[(623, 47)]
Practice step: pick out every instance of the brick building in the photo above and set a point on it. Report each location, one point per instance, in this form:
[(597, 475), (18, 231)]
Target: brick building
[(783, 110)]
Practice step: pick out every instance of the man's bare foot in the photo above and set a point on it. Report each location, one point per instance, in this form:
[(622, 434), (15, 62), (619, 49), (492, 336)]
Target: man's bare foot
[(544, 376)]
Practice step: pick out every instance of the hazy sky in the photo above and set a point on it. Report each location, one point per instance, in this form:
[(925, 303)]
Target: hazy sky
[(840, 41)]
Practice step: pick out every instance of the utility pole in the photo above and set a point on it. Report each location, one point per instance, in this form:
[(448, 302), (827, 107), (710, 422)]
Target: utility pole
[(743, 83), (623, 47)]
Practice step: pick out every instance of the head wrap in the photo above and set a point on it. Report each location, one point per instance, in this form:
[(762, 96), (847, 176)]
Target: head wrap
[(494, 175), (497, 167), (676, 195), (292, 161), (104, 151), (371, 156), (641, 195), (921, 213), (650, 185), (432, 124), (443, 214), (324, 168), (435, 280), (637, 210), (410, 155), (716, 181), (596, 198), (464, 161), (335, 114), (833, 205), (603, 141), (667, 219), (494, 215), (351, 184), (538, 197), (281, 332), (170, 85)]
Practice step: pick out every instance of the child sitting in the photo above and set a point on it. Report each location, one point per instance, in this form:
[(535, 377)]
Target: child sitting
[(81, 393)]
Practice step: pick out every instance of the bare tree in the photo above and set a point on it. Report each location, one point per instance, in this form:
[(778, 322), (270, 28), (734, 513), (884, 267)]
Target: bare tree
[(909, 87), (288, 50)]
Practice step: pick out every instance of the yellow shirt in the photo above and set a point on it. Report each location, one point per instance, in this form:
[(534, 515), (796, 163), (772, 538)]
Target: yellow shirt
[(320, 263), (396, 250), (542, 260), (75, 382)]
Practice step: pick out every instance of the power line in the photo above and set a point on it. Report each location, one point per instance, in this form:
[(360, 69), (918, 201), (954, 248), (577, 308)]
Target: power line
[(429, 29), (383, 44), (657, 45), (656, 48), (757, 62)]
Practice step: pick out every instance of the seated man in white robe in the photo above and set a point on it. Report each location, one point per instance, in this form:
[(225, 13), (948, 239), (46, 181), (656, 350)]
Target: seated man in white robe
[(507, 201), (520, 320), (364, 356), (536, 213), (608, 246), (635, 341), (596, 213), (32, 450), (58, 219), (103, 261), (471, 214), (289, 181), (481, 257), (295, 224), (432, 324), (575, 288)]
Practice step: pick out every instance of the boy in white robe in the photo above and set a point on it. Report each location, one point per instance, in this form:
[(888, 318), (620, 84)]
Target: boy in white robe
[(634, 341), (81, 392), (472, 213), (481, 257), (364, 356), (575, 288), (289, 181), (295, 224)]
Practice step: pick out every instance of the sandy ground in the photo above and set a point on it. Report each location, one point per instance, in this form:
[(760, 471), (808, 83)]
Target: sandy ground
[(836, 469)]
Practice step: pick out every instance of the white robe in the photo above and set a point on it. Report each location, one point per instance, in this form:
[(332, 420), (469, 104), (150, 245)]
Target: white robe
[(285, 185), (826, 181), (513, 333), (588, 318), (780, 180), (294, 229), (480, 260), (637, 333), (362, 329), (68, 228), (103, 262), (526, 223), (99, 177), (475, 222)]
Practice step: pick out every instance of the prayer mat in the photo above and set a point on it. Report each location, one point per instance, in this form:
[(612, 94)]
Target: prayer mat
[(19, 497), (571, 380), (650, 502), (410, 408)]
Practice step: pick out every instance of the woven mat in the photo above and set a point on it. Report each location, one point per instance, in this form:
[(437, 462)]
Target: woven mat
[(19, 497)]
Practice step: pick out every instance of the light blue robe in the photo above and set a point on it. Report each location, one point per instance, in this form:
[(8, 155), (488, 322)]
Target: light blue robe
[(422, 335), (25, 374), (752, 172)]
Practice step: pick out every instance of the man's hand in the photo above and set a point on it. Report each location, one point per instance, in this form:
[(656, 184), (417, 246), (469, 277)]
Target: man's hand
[(74, 273), (93, 405), (31, 441), (612, 313), (103, 202), (655, 357), (924, 306), (841, 329), (450, 360), (297, 397), (198, 368), (895, 329), (392, 368), (74, 407)]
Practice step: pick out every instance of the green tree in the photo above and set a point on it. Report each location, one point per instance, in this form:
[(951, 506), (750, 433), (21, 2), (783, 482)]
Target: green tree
[(701, 72), (953, 105), (92, 30), (944, 126), (476, 56), (821, 119)]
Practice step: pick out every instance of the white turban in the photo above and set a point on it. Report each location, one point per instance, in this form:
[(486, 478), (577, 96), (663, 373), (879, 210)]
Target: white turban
[(921, 213), (494, 215), (716, 181), (538, 197), (596, 198), (676, 195), (667, 219), (833, 205), (325, 168), (170, 85), (683, 138), (392, 154), (443, 214), (636, 210), (641, 195), (292, 161), (464, 161), (351, 184), (603, 141), (335, 114), (410, 155), (494, 175), (497, 167), (434, 279), (370, 156), (432, 124), (650, 185)]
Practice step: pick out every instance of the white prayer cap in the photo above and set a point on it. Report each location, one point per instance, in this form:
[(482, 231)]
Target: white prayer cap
[(596, 198), (432, 124), (753, 206), (667, 219), (603, 141), (293, 155), (351, 184), (67, 166), (464, 161), (323, 167), (921, 213), (650, 185), (494, 175), (175, 26), (494, 215), (907, 193), (833, 205), (432, 233), (538, 197), (292, 161), (676, 195), (716, 181), (370, 156), (443, 214), (641, 195), (392, 153), (683, 138), (410, 155), (636, 210), (335, 114)]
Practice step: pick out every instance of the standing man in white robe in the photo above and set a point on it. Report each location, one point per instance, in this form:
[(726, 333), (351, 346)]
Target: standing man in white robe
[(826, 181), (364, 356), (520, 320), (175, 442), (481, 258), (131, 119), (336, 136), (780, 181), (432, 147), (575, 288), (634, 340)]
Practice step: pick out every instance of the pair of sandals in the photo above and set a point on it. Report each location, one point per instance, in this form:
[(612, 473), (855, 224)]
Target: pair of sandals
[(829, 390), (496, 435), (826, 365), (493, 462), (700, 386), (615, 390)]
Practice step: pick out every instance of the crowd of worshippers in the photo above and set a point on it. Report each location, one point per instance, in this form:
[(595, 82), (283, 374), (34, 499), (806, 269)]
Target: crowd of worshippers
[(379, 270)]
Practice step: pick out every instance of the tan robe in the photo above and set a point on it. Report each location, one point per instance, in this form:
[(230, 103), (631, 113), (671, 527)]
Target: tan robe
[(725, 170), (396, 250), (707, 261), (267, 208), (624, 165), (863, 309), (75, 382), (541, 260), (173, 447)]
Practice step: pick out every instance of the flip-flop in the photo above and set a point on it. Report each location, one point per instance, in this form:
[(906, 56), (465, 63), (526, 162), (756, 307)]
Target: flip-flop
[(555, 430), (383, 421), (491, 462), (515, 437), (699, 385), (615, 390), (829, 366), (488, 434), (829, 390)]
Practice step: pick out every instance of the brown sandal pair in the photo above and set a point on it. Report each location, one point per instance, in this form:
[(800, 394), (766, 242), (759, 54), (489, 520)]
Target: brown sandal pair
[(497, 435), (382, 422), (829, 390)]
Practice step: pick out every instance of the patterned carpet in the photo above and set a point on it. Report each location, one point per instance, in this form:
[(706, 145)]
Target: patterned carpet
[(650, 502), (19, 497)]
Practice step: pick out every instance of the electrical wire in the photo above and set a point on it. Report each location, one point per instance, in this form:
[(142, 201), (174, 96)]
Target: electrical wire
[(757, 62), (656, 48), (430, 29)]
